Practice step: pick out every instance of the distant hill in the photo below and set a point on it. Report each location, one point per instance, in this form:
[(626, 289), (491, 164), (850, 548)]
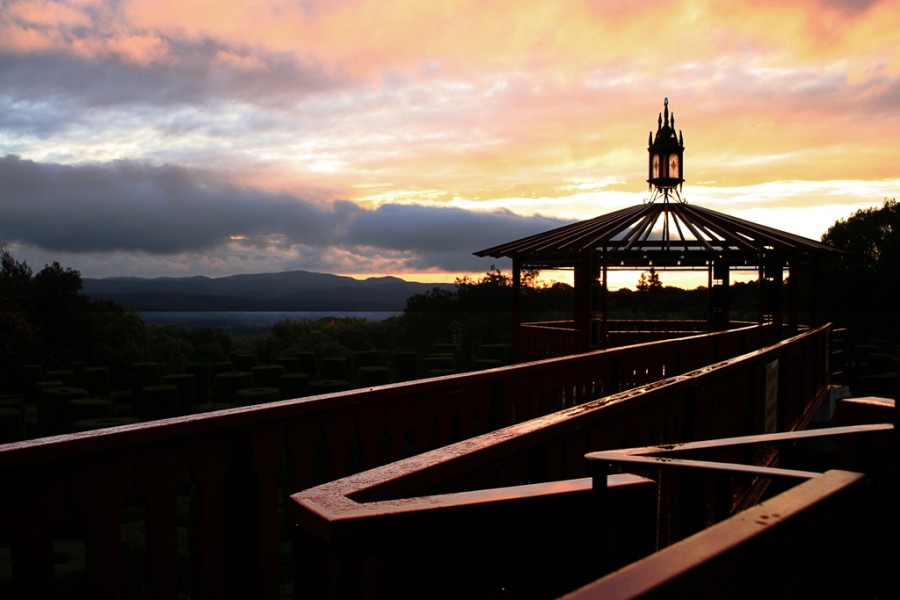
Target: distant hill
[(290, 290)]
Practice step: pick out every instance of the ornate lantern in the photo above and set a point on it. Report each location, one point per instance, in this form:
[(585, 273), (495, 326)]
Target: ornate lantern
[(666, 150)]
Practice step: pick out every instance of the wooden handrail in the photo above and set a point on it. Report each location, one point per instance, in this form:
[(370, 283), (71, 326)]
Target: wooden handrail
[(724, 398), (223, 478), (499, 541), (809, 542), (547, 339), (821, 538)]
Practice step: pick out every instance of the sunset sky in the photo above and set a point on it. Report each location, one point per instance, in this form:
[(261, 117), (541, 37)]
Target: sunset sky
[(201, 137)]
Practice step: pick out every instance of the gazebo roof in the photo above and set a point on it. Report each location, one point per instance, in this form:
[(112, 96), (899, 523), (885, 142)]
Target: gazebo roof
[(660, 233)]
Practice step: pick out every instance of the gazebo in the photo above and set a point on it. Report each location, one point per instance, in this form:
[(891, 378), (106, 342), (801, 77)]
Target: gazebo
[(667, 233)]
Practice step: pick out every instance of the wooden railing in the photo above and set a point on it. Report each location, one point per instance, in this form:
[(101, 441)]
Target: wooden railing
[(832, 536), (193, 505), (661, 325), (737, 396), (624, 332), (809, 542), (501, 542), (549, 339)]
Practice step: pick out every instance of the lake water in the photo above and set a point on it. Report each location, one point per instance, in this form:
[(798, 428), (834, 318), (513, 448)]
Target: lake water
[(252, 321)]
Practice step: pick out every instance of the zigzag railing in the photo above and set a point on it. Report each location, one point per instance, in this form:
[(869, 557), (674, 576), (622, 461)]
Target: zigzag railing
[(737, 396)]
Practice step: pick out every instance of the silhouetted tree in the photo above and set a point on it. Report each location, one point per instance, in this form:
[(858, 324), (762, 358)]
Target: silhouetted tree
[(492, 292), (871, 239), (649, 282), (862, 285), (58, 311), (16, 328), (45, 319), (480, 311)]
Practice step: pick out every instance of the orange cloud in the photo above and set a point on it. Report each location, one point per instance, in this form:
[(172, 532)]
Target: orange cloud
[(46, 14), (560, 41), (483, 100)]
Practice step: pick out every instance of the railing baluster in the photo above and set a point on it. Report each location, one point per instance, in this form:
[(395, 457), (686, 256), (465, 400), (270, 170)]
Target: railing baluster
[(101, 489), (209, 462), (160, 475), (36, 502), (267, 449), (302, 438)]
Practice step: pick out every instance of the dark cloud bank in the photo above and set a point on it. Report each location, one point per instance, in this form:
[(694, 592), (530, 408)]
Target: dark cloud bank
[(134, 207)]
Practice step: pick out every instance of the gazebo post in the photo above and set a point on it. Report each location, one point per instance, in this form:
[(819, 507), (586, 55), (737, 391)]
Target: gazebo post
[(598, 327), (793, 294), (603, 334), (709, 288), (761, 290), (771, 287), (517, 306), (777, 276), (816, 290), (719, 300), (583, 280)]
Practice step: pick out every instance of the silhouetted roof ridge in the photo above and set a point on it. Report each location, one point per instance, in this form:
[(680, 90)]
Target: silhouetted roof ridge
[(660, 226)]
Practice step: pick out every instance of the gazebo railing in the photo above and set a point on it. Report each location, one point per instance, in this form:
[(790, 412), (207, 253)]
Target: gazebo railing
[(550, 339), (727, 398)]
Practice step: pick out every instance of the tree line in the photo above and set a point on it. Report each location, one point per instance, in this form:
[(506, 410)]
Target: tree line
[(45, 319)]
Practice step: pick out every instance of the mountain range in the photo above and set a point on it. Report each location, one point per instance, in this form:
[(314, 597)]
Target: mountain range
[(286, 291)]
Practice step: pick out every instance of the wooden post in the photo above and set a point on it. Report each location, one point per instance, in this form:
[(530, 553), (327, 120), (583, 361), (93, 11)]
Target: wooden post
[(793, 284), (599, 472), (517, 309), (711, 302), (816, 291), (583, 285), (604, 302), (777, 275), (720, 285), (599, 337), (762, 288)]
